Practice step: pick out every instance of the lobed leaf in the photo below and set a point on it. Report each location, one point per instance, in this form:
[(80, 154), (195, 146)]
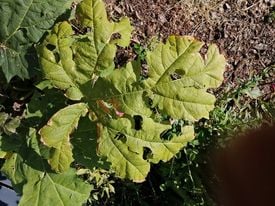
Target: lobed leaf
[(122, 103), (124, 145), (179, 77), (55, 189), (70, 61)]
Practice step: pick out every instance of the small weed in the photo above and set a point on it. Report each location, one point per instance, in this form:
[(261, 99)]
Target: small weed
[(270, 18), (102, 185), (140, 51)]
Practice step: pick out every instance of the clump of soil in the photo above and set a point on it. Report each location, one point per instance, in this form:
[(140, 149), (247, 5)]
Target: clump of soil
[(244, 30)]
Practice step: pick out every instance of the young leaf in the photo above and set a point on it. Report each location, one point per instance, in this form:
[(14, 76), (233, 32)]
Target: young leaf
[(22, 24), (56, 134)]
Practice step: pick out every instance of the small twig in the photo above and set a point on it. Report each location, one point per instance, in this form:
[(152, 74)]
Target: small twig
[(152, 187), (171, 168), (250, 6)]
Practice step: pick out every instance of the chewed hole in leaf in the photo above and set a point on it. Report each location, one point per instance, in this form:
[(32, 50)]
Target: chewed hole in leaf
[(25, 32), (50, 47), (203, 51), (121, 137), (147, 153), (177, 74), (138, 122), (121, 57), (166, 135), (115, 36), (88, 29), (56, 56), (82, 30)]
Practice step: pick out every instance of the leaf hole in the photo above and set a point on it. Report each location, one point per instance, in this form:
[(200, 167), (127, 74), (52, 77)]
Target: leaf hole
[(147, 153), (25, 33), (56, 56), (138, 122), (177, 74), (166, 135), (83, 30), (121, 137), (88, 29), (50, 47), (121, 58), (115, 36), (203, 51)]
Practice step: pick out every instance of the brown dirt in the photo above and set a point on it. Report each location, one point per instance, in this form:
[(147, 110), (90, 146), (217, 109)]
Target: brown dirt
[(243, 29)]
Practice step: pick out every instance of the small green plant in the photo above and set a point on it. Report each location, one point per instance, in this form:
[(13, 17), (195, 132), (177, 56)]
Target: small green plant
[(87, 113), (271, 16), (140, 51), (102, 185)]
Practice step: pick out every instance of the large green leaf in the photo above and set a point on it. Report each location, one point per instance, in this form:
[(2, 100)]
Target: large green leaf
[(126, 146), (23, 23), (25, 162), (123, 90), (179, 77), (183, 96), (56, 134), (121, 103), (55, 189), (30, 174), (70, 61)]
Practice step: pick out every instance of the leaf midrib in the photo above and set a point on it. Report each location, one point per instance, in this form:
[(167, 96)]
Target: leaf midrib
[(171, 65), (20, 22)]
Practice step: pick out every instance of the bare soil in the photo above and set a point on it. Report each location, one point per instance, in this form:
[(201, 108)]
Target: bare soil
[(244, 30)]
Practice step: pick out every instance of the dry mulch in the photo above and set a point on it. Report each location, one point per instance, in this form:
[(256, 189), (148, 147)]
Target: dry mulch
[(243, 29)]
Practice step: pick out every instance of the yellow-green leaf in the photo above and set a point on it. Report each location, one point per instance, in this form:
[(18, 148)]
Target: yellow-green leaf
[(179, 77), (70, 61), (56, 135), (130, 149), (123, 91)]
